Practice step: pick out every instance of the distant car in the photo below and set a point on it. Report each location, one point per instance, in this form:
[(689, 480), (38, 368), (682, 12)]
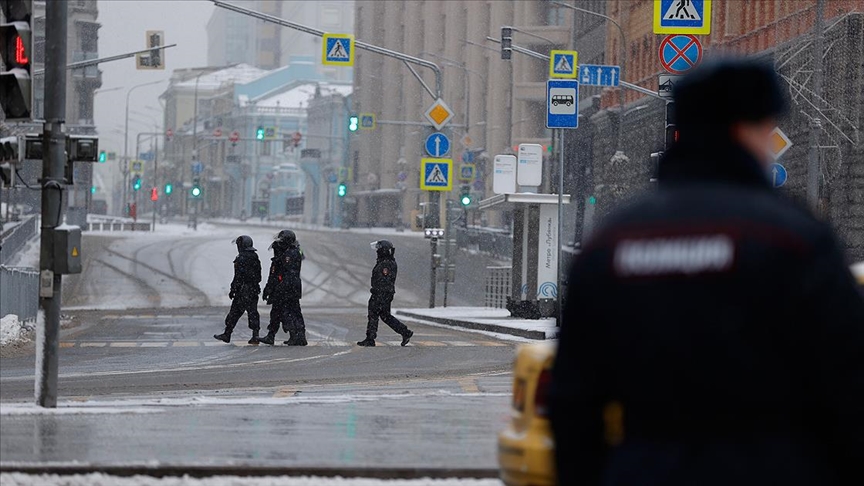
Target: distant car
[(525, 447)]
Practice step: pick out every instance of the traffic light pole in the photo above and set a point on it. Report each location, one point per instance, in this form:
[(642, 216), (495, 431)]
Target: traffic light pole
[(48, 334)]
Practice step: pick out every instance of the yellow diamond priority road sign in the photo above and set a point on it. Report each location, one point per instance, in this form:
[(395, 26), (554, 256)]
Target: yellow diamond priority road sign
[(780, 143), (439, 114)]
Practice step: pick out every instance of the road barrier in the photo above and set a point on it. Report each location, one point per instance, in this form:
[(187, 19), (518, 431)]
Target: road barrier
[(117, 226), (497, 286), (16, 238), (19, 292)]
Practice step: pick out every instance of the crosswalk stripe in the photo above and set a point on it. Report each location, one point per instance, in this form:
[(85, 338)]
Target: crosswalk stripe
[(491, 343), (123, 345), (185, 344), (92, 345), (428, 343), (67, 345), (460, 343), (329, 343), (155, 344)]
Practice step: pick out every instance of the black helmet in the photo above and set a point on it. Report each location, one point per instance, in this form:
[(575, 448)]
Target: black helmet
[(285, 239), (244, 243), (384, 248)]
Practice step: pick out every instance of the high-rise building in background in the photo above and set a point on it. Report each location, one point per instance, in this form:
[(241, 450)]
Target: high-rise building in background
[(238, 39)]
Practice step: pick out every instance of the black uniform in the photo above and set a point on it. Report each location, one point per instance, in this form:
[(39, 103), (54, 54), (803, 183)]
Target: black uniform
[(283, 290), (713, 336), (245, 288), (383, 290)]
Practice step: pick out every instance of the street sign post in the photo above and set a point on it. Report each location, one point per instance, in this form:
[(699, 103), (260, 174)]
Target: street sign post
[(197, 168), (598, 75), (436, 174), (338, 50), (437, 145), (780, 143), (562, 64), (666, 84), (778, 175), (367, 121), (562, 103), (682, 17), (680, 53), (439, 114), (466, 172)]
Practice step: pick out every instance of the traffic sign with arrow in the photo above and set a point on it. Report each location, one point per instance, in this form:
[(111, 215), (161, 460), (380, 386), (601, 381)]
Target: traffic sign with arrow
[(437, 145)]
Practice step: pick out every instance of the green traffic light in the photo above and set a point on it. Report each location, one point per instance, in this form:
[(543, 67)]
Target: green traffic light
[(353, 123), (592, 200), (259, 134), (136, 185), (92, 189), (466, 200), (342, 191), (196, 191), (103, 156), (168, 189)]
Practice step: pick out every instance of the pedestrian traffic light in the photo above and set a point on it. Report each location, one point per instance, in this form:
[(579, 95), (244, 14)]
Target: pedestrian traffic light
[(196, 188), (353, 123), (342, 190), (103, 156), (168, 188), (671, 128), (9, 149), (93, 189), (506, 42), (136, 183), (16, 45), (259, 133), (465, 195), (154, 194)]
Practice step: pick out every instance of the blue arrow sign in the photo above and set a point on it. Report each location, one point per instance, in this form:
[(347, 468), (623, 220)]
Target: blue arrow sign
[(562, 103), (437, 144), (597, 75), (778, 174)]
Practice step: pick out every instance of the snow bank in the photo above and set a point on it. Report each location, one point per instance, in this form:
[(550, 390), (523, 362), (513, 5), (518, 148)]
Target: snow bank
[(14, 332), (17, 479)]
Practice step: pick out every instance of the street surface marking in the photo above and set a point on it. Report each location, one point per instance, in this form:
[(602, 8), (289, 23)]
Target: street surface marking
[(185, 344), (67, 345), (460, 343), (285, 392), (92, 345), (155, 344), (123, 345), (428, 343), (469, 385), (491, 343), (329, 343)]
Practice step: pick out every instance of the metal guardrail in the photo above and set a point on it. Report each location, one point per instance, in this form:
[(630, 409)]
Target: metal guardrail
[(117, 226), (498, 281), (13, 240), (19, 292)]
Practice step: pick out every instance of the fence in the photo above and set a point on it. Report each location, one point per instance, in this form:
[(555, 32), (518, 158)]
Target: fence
[(497, 287), (16, 238), (117, 226), (19, 292)]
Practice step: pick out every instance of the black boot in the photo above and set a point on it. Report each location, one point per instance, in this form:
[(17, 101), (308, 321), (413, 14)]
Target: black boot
[(268, 339), (225, 337), (407, 337), (299, 339), (254, 339), (366, 343), (291, 339)]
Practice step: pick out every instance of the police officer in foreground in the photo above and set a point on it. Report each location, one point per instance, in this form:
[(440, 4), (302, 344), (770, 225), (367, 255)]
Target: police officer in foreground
[(284, 290), (713, 333), (383, 290), (244, 290)]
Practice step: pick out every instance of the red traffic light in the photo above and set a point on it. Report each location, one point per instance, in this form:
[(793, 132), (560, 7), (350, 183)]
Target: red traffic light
[(154, 194), (21, 58)]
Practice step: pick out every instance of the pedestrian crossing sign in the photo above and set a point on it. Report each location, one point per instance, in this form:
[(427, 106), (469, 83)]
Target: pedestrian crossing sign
[(338, 50), (562, 64), (682, 17), (436, 174)]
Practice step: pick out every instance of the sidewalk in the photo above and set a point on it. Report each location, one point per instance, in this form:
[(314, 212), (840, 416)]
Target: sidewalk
[(485, 319), (294, 225)]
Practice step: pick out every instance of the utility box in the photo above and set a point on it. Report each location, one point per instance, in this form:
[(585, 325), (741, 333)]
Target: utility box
[(67, 250)]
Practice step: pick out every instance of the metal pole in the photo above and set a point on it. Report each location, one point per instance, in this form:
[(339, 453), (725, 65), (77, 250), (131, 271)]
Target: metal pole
[(815, 122), (434, 281), (48, 337), (155, 178), (101, 60), (560, 222), (446, 247), (126, 136)]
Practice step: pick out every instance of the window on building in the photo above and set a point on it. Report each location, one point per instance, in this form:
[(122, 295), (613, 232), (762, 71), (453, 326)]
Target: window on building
[(331, 17), (733, 19), (88, 36), (554, 14)]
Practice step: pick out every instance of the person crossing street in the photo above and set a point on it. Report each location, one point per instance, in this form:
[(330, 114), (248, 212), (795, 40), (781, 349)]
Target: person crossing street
[(383, 290), (244, 290), (284, 290)]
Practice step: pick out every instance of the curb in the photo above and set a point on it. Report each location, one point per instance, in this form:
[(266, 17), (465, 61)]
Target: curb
[(477, 326), (203, 471)]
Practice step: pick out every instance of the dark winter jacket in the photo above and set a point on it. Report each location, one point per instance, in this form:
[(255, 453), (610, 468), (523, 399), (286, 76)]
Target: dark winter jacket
[(713, 336), (247, 274), (284, 281), (384, 276)]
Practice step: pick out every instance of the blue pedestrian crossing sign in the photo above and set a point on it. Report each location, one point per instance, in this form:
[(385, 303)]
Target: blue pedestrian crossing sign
[(597, 75), (436, 174), (437, 145), (367, 121), (778, 174), (682, 17), (338, 50), (562, 103), (562, 64), (466, 172)]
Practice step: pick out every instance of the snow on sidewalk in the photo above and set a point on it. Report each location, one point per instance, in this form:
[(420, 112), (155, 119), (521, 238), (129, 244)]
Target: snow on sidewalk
[(485, 319), (17, 479), (14, 332)]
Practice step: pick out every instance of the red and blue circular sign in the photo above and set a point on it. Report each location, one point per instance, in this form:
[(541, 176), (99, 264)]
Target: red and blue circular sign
[(680, 53)]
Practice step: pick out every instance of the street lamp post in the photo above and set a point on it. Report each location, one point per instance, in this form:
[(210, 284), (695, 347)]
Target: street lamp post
[(126, 139)]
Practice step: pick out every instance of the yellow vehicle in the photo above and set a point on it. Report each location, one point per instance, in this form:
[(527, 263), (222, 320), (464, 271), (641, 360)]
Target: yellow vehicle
[(525, 448)]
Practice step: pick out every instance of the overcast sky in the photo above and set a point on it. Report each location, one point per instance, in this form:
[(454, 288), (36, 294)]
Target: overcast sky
[(124, 23)]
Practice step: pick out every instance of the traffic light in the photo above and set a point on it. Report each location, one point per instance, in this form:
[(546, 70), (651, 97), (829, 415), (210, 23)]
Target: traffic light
[(154, 194), (259, 133), (9, 149), (93, 189), (671, 128), (196, 188), (169, 188), (103, 156), (16, 49), (136, 183), (353, 123), (592, 200), (465, 195), (342, 190), (506, 42)]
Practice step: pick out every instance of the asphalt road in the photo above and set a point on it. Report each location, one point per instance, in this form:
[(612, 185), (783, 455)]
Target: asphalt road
[(143, 380)]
